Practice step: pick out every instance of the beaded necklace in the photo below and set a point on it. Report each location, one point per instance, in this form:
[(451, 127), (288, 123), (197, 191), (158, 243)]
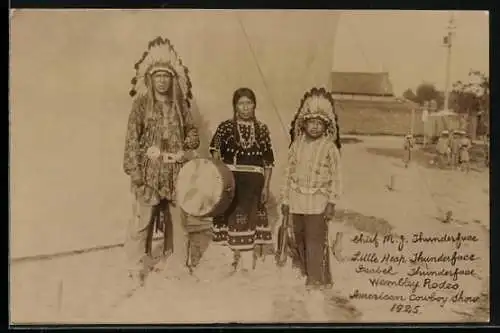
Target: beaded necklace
[(246, 143)]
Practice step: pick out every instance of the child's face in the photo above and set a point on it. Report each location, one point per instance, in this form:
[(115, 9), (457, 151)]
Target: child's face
[(315, 128)]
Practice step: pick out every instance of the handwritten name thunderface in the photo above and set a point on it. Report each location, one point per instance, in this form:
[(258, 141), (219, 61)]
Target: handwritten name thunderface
[(454, 273), (373, 258), (442, 258), (457, 239)]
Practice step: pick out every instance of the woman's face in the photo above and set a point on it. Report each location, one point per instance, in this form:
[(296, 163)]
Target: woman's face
[(245, 108), (315, 127)]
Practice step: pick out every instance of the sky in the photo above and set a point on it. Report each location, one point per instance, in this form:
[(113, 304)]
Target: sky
[(408, 44)]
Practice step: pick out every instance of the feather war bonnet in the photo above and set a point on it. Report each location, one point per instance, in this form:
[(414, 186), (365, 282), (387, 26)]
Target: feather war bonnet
[(316, 103), (161, 55)]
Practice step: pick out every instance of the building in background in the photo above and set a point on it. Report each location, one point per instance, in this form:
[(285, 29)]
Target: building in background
[(366, 104)]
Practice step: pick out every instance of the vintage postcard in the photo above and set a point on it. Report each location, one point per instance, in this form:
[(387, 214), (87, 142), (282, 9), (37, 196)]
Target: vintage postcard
[(249, 166)]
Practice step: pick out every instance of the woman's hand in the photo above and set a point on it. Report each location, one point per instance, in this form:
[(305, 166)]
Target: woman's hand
[(216, 155), (329, 212), (264, 195)]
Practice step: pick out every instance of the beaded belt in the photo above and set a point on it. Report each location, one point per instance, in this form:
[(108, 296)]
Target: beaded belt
[(245, 168)]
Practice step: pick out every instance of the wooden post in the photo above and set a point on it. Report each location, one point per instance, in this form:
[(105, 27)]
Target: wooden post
[(392, 183)]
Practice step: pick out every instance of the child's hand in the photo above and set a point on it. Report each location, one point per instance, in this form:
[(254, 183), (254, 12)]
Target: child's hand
[(329, 213)]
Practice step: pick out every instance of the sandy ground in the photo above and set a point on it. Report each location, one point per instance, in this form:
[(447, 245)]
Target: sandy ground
[(92, 288)]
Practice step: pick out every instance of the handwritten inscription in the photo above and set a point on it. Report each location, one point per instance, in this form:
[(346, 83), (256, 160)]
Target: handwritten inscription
[(412, 272), (457, 239)]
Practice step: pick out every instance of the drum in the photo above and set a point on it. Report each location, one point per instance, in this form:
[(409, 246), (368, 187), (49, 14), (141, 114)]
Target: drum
[(205, 187)]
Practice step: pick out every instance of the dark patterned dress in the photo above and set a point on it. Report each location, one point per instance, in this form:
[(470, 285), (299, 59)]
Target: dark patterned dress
[(246, 148)]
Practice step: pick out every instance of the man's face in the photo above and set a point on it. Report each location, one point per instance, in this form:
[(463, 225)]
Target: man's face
[(314, 128), (162, 81)]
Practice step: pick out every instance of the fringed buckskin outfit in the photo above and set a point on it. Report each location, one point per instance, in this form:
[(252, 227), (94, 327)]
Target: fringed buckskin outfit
[(312, 180), (157, 135)]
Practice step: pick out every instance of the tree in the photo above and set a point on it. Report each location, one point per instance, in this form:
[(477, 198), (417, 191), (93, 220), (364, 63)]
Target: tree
[(410, 95), (473, 98), (427, 92)]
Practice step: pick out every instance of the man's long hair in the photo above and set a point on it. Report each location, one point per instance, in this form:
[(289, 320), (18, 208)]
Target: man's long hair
[(174, 95)]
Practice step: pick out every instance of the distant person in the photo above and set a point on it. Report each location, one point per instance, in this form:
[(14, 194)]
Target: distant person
[(408, 146), (312, 187), (465, 145), (443, 149), (454, 149)]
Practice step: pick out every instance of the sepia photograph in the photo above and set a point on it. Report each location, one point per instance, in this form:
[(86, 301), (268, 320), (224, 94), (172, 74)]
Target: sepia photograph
[(198, 166)]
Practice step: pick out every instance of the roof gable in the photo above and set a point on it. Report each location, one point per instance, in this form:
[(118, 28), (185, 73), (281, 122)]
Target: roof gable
[(358, 83)]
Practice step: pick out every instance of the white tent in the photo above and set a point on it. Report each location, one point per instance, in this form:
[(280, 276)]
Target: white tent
[(70, 78)]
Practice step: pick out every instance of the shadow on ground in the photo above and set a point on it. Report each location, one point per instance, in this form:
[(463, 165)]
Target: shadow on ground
[(200, 241), (350, 140), (363, 223)]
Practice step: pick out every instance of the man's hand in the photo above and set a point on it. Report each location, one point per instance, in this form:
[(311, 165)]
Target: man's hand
[(329, 212), (137, 179), (185, 156), (192, 140)]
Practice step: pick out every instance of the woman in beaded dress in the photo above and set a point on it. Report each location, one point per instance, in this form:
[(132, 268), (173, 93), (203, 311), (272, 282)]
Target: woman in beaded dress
[(243, 143)]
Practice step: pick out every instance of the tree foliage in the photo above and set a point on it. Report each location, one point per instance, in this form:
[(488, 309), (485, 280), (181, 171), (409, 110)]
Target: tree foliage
[(471, 97), (425, 94)]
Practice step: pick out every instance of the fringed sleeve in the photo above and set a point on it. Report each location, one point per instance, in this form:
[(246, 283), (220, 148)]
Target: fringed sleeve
[(336, 175), (192, 141), (285, 188), (131, 159)]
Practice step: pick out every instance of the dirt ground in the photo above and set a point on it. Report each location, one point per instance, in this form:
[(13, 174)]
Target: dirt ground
[(92, 288)]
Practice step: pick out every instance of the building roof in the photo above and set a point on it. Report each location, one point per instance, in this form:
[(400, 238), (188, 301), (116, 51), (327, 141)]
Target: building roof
[(383, 105), (358, 83)]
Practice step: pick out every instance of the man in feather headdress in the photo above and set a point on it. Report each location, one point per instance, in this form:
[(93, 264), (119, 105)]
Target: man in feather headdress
[(160, 134)]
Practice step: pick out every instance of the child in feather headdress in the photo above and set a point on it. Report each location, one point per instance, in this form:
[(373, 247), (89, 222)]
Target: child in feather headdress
[(313, 184)]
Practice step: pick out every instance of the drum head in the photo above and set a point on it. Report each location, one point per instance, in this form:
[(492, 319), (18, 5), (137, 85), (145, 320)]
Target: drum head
[(199, 187)]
